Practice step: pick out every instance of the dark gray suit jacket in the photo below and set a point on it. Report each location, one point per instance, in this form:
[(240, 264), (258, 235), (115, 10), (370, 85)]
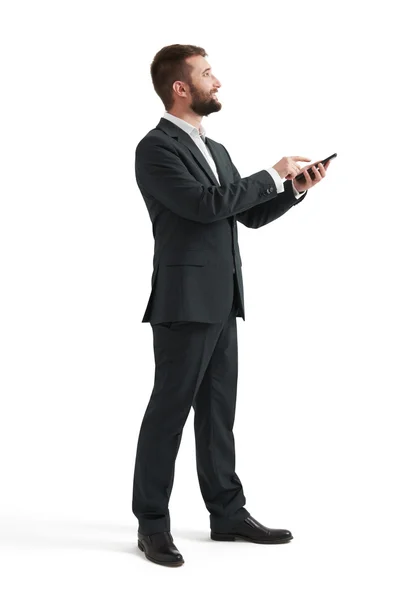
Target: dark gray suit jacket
[(196, 250)]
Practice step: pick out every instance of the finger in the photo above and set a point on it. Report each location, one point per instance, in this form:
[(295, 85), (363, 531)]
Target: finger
[(302, 158), (316, 173), (307, 177), (313, 180), (322, 170), (296, 169)]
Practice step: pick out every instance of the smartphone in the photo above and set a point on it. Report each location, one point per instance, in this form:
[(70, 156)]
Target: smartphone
[(311, 172)]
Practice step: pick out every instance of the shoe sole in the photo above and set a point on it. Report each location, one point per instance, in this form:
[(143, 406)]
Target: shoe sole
[(229, 537), (159, 562)]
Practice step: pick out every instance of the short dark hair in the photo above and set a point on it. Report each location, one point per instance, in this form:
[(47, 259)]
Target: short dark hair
[(169, 65)]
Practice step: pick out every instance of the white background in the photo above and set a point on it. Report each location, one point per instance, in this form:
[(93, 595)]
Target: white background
[(316, 423)]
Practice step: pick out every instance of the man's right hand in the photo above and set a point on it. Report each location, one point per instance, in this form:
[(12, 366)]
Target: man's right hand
[(288, 168)]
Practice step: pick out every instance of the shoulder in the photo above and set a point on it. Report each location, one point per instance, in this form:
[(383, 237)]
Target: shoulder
[(155, 139)]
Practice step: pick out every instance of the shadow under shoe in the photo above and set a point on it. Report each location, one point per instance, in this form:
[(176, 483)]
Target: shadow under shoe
[(160, 549), (251, 530)]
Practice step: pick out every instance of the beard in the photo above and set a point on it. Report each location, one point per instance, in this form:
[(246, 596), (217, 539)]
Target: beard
[(202, 105)]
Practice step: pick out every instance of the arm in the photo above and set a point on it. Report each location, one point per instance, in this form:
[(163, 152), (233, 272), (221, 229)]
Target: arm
[(161, 174), (262, 214)]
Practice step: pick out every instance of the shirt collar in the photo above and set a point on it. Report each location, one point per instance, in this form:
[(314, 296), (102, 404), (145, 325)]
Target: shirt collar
[(190, 129)]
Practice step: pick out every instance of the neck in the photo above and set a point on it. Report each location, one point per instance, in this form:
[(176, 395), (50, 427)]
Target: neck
[(189, 117)]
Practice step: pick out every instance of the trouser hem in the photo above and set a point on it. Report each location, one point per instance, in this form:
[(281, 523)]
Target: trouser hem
[(154, 526), (225, 524)]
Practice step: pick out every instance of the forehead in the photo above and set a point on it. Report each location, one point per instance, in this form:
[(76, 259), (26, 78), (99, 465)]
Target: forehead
[(199, 64)]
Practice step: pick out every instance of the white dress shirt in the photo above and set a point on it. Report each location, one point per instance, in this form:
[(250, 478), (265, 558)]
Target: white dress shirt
[(199, 140)]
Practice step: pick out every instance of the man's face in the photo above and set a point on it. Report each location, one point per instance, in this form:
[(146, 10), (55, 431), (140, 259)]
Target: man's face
[(201, 98)]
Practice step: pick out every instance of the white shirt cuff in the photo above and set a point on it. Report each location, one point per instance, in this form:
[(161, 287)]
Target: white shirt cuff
[(279, 182), (295, 192), (277, 179)]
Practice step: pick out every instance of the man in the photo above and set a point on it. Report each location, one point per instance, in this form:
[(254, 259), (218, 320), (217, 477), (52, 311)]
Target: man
[(195, 195)]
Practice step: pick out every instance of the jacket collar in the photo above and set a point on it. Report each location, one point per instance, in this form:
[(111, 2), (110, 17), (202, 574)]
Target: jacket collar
[(184, 138)]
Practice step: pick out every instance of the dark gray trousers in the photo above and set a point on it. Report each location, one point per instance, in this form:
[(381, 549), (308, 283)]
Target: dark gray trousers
[(196, 364)]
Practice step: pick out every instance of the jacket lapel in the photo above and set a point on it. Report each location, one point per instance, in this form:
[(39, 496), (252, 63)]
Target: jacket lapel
[(182, 137), (217, 155)]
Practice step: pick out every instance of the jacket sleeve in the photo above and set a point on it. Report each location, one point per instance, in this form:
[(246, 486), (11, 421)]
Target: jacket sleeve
[(161, 174), (264, 213)]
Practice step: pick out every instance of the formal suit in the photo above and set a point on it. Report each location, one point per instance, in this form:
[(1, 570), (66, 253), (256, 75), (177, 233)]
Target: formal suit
[(196, 295)]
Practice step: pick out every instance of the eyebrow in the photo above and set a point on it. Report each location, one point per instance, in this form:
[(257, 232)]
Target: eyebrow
[(209, 69)]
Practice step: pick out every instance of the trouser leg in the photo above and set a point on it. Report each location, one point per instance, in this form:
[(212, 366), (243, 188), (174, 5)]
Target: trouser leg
[(214, 407), (182, 352)]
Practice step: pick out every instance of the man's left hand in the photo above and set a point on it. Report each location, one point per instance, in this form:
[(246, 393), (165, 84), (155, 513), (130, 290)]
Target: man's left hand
[(302, 186)]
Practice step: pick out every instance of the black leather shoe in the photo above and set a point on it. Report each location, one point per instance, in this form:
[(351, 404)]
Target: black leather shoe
[(252, 531), (159, 548)]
